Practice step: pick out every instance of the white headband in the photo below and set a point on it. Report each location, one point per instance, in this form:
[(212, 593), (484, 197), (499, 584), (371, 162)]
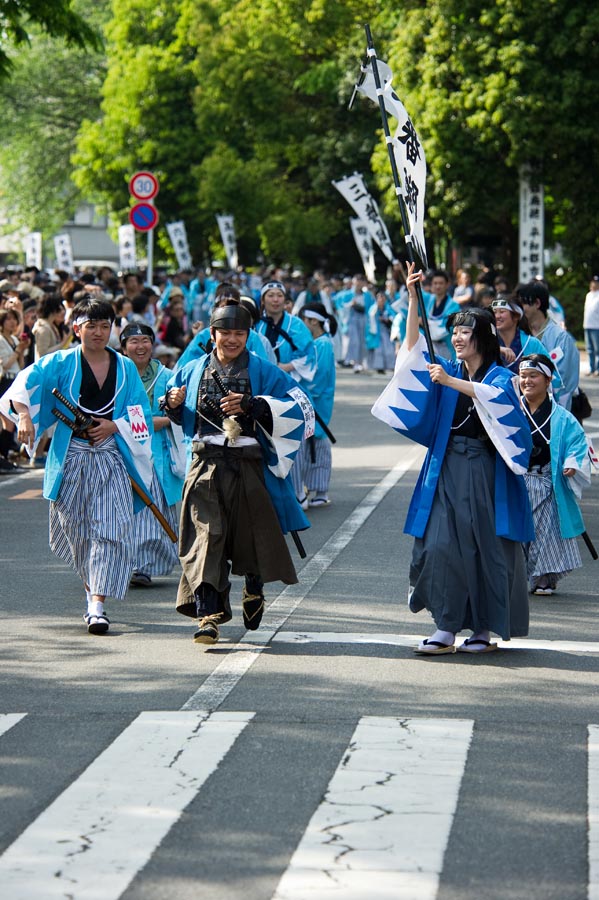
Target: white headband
[(539, 366), (310, 314), (81, 320)]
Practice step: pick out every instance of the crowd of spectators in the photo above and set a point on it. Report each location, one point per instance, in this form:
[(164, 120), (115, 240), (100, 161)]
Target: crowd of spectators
[(35, 307)]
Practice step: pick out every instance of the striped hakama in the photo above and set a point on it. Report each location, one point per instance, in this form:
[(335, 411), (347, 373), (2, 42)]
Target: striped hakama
[(461, 571), (308, 475), (155, 553), (91, 521), (549, 554)]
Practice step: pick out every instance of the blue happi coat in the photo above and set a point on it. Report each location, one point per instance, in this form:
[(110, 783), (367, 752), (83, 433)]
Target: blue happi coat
[(293, 418), (303, 356), (33, 387), (163, 442), (423, 411), (569, 450)]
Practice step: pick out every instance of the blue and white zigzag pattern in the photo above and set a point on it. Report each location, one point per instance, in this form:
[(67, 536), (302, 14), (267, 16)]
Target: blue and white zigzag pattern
[(287, 434)]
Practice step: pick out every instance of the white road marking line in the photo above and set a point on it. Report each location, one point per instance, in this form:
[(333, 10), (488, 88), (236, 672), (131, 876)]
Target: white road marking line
[(228, 673), (383, 826), (9, 720), (94, 838), (593, 811), (411, 640)]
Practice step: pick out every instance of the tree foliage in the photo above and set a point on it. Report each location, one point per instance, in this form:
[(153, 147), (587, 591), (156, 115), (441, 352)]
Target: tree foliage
[(492, 87), (240, 106), (56, 18), (52, 86)]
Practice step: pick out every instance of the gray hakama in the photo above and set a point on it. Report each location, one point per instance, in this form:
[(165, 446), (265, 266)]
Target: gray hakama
[(91, 520), (228, 523), (461, 571), (155, 553), (549, 554)]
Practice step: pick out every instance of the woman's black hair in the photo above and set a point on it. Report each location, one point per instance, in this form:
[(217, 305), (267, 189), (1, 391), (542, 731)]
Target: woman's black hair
[(51, 303), (484, 332), (321, 309)]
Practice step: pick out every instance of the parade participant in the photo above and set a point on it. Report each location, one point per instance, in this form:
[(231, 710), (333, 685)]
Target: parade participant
[(287, 335), (512, 338), (470, 510), (311, 472), (202, 343), (380, 348), (90, 472), (439, 306), (559, 344), (155, 553), (559, 468), (246, 419), (353, 306)]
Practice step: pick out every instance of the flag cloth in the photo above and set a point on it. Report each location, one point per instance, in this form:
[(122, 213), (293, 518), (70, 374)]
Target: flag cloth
[(407, 150), (226, 226), (353, 189), (363, 240)]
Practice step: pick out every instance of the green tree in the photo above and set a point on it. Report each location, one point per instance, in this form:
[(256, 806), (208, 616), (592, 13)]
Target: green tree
[(146, 119), (492, 87), (56, 18), (238, 107)]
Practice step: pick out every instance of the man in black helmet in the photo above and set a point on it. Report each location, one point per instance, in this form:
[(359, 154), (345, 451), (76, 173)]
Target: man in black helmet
[(246, 419)]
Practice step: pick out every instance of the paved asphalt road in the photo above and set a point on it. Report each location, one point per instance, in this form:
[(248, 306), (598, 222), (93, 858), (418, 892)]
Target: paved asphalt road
[(316, 758)]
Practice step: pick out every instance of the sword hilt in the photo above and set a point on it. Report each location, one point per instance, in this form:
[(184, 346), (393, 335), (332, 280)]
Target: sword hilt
[(220, 383)]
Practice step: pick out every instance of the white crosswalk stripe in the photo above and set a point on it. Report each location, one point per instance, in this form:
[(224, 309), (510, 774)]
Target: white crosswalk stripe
[(8, 720), (593, 811), (380, 832), (102, 829), (383, 826)]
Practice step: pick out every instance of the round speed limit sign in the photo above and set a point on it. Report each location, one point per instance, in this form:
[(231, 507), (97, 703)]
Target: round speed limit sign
[(143, 186)]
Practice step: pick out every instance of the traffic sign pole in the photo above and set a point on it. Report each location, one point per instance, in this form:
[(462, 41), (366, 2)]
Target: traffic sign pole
[(144, 215), (150, 263)]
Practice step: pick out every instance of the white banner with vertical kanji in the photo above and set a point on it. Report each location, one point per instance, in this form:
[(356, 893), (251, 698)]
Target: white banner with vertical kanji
[(63, 250), (178, 238), (532, 226), (407, 151), (33, 249), (127, 251), (363, 240), (226, 227), (353, 189)]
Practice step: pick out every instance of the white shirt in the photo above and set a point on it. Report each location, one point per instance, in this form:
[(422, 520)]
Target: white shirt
[(591, 310)]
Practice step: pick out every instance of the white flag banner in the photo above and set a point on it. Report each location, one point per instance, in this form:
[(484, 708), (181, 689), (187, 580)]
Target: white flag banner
[(178, 238), (33, 249), (363, 240), (532, 226), (63, 250), (227, 233), (407, 150), (353, 189), (127, 252)]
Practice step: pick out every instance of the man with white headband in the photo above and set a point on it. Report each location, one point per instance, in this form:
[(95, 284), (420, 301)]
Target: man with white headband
[(558, 470), (90, 468)]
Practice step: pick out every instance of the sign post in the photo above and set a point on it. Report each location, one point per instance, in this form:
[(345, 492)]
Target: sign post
[(144, 216)]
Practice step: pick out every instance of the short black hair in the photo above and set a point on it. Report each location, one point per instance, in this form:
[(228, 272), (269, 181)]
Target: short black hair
[(95, 310), (534, 290)]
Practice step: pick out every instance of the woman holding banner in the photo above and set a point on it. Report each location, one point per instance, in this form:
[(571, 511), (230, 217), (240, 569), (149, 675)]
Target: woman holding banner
[(470, 512)]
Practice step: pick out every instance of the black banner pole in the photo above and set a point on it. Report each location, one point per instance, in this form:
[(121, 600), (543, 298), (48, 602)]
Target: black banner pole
[(398, 191)]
